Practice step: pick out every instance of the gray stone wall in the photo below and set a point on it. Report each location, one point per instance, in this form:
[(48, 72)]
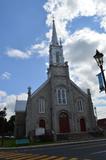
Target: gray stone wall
[(33, 115), (20, 125)]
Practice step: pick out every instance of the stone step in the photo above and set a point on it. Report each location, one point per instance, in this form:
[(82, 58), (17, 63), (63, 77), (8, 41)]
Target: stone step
[(76, 136)]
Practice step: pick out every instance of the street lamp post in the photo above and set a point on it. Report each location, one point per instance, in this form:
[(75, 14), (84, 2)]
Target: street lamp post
[(99, 59)]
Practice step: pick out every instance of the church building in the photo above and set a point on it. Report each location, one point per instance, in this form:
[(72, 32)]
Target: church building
[(58, 105)]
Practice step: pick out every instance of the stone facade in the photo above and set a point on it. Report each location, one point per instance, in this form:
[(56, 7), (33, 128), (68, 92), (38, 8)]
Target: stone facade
[(59, 104), (53, 110), (20, 127)]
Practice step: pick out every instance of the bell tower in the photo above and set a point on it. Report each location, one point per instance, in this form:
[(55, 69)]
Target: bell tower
[(58, 74), (57, 66), (56, 49)]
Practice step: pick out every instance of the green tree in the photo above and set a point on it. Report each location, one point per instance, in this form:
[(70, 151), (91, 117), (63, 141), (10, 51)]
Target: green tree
[(3, 124), (11, 124)]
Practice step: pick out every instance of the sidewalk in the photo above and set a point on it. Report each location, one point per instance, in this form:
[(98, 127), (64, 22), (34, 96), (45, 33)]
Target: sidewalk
[(53, 144)]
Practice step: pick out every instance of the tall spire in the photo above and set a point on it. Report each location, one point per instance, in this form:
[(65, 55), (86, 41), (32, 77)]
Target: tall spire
[(54, 35), (56, 50)]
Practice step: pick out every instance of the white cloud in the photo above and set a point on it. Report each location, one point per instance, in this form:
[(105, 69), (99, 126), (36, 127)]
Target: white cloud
[(9, 101), (103, 23), (18, 53), (79, 50), (37, 48), (101, 112), (5, 76), (80, 47), (10, 105), (2, 93), (22, 96), (67, 10), (47, 64), (64, 12), (41, 48)]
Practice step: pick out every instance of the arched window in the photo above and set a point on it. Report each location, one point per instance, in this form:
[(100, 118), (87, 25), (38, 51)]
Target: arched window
[(41, 104), (61, 95), (80, 107)]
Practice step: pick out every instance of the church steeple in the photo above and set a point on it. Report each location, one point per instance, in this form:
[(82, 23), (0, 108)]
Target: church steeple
[(54, 35), (56, 50)]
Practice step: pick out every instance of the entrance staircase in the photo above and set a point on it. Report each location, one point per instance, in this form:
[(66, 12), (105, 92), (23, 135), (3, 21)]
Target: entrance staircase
[(73, 136)]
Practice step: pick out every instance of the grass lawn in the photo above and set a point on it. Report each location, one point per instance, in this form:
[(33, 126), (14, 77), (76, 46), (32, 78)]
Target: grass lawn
[(11, 142), (8, 142)]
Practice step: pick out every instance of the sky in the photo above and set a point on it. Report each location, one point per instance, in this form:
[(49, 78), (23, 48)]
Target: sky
[(25, 34)]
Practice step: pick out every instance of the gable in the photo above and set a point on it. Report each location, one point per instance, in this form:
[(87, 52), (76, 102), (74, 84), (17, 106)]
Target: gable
[(78, 88), (40, 88)]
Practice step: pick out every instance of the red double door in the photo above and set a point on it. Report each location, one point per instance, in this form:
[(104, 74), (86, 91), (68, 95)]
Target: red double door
[(64, 123)]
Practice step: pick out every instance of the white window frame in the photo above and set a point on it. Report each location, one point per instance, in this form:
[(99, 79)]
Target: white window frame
[(61, 96), (41, 104)]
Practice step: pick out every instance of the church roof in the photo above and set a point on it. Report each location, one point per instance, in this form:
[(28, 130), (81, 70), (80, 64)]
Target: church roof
[(78, 88), (20, 106), (41, 87)]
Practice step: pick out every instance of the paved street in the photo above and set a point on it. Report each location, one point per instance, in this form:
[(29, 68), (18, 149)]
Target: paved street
[(83, 151)]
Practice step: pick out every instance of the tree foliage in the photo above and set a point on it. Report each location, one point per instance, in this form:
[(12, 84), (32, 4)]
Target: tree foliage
[(6, 127), (3, 124), (11, 124)]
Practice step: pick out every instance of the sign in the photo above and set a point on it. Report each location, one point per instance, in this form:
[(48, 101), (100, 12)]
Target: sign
[(101, 82), (39, 131), (22, 141)]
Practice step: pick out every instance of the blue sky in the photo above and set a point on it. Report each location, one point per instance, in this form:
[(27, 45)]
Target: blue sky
[(25, 33), (21, 21), (22, 24)]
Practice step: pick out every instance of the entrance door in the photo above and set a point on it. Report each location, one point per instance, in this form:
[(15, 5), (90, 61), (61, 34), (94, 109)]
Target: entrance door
[(82, 125), (64, 123), (42, 123)]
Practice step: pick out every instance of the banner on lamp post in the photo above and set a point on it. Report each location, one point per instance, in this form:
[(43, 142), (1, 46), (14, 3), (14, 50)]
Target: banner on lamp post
[(101, 82)]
